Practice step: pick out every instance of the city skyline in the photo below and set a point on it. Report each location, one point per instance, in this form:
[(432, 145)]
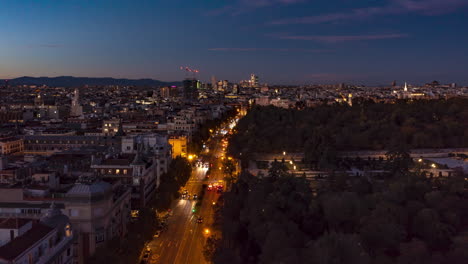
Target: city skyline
[(283, 41)]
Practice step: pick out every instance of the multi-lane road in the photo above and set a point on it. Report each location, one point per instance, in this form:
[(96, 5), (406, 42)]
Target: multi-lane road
[(183, 240)]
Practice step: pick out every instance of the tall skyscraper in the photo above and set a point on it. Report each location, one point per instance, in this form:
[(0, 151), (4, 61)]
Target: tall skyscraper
[(214, 84), (253, 80), (76, 109), (191, 87), (165, 92)]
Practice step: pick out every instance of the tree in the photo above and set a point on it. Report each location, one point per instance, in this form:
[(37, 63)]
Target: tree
[(278, 169), (229, 168), (336, 248), (342, 211), (210, 247), (427, 226), (414, 252), (380, 234), (399, 159)]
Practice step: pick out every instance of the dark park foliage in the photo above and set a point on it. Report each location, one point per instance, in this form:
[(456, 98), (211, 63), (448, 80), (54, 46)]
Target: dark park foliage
[(323, 130), (406, 219)]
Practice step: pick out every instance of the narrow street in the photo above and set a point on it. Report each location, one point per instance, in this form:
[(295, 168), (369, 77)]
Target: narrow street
[(183, 240)]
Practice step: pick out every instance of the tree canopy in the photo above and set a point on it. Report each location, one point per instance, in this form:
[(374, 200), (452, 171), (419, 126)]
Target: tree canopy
[(322, 130)]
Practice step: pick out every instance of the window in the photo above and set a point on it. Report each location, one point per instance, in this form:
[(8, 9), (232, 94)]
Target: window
[(117, 171), (97, 211), (68, 252), (124, 171), (99, 237), (74, 212)]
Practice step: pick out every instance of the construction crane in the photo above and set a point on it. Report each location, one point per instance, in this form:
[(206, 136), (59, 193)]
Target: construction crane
[(189, 73)]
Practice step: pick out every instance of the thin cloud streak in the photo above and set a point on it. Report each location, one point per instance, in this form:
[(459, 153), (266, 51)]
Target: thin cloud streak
[(245, 6), (269, 49), (340, 38), (51, 46), (396, 7)]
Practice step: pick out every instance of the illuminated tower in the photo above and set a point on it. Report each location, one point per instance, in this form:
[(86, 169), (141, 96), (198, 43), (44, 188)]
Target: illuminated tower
[(214, 84), (253, 80), (76, 109)]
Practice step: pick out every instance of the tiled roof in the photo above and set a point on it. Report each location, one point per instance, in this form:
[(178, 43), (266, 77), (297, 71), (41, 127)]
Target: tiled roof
[(120, 162), (89, 190), (14, 248)]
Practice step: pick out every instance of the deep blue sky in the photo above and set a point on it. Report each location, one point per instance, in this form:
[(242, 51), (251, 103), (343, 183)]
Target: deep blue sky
[(283, 41)]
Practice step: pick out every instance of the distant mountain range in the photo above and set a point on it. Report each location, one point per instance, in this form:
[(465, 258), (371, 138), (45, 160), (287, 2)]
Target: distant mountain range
[(69, 81)]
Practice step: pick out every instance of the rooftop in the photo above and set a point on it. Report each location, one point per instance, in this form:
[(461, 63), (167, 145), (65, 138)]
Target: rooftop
[(89, 190), (20, 244), (9, 139), (13, 223)]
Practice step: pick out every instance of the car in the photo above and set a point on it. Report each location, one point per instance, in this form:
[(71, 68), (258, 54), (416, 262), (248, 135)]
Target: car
[(195, 196), (145, 258), (157, 234), (199, 220)]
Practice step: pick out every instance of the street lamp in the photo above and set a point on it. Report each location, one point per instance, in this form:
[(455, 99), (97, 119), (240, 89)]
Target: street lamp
[(433, 165), (207, 231), (284, 153)]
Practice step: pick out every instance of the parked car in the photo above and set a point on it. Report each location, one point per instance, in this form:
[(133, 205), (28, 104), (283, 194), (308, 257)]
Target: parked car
[(157, 234)]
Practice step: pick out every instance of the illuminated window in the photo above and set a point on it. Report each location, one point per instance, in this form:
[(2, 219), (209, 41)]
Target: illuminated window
[(68, 231), (125, 171), (117, 171)]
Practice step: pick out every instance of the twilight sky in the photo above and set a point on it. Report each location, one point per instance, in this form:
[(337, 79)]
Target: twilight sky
[(283, 41)]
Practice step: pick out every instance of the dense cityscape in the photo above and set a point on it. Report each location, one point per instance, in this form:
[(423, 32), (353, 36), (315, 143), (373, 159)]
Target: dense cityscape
[(96, 169), (252, 159)]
